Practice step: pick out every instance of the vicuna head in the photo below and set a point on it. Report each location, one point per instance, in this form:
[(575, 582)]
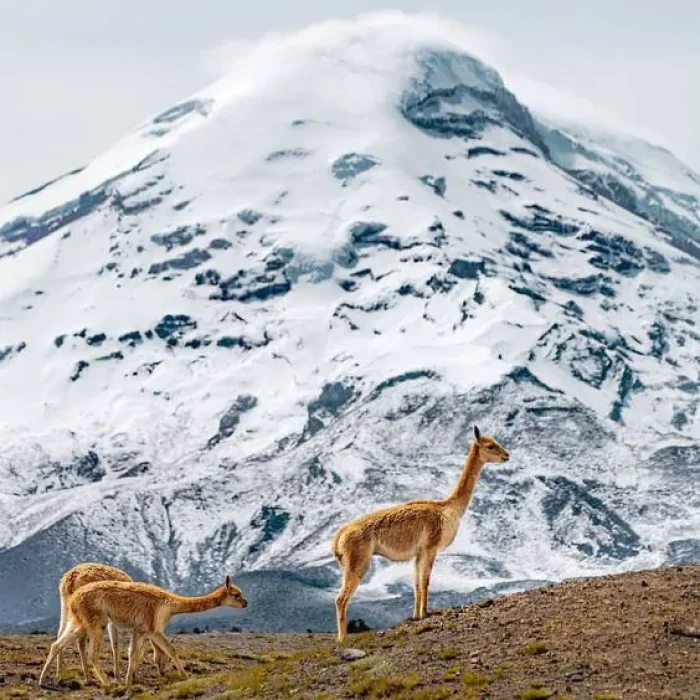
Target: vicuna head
[(489, 449), (234, 596)]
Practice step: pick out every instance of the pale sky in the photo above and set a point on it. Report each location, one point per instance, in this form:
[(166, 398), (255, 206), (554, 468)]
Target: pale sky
[(76, 75)]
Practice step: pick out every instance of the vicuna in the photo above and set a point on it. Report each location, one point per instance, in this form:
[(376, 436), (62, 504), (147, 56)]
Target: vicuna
[(146, 609), (79, 576), (415, 530)]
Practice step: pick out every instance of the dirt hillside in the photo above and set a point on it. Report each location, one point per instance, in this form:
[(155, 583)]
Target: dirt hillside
[(632, 636)]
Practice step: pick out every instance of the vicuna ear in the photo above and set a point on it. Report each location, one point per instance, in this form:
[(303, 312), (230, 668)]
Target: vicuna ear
[(228, 582), (477, 434)]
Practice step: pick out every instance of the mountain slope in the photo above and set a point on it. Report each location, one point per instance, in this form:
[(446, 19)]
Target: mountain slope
[(621, 636), (287, 299)]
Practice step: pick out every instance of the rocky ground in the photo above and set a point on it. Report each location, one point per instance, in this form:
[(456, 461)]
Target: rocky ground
[(629, 636)]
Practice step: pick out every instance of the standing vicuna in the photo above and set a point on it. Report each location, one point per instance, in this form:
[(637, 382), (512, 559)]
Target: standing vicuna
[(146, 609), (414, 530), (79, 576)]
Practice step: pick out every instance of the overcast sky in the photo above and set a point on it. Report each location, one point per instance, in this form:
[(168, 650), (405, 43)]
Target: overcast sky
[(75, 75)]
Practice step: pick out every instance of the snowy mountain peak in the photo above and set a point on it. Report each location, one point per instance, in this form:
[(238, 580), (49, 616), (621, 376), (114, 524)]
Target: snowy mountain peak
[(288, 298)]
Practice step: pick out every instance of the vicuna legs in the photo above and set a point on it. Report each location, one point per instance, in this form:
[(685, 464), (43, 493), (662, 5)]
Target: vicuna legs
[(61, 627), (162, 643), (135, 653), (424, 567), (354, 568), (82, 650), (113, 633), (96, 635), (70, 634)]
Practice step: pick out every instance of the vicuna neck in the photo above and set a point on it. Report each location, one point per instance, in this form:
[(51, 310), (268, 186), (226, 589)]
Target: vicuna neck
[(201, 603), (464, 489)]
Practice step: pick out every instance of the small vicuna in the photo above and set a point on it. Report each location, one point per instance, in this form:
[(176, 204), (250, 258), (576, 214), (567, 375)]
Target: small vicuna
[(144, 608)]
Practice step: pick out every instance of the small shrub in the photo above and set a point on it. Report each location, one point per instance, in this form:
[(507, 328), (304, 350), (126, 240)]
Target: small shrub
[(452, 673), (382, 687), (472, 679), (605, 696), (501, 671), (449, 653), (534, 648)]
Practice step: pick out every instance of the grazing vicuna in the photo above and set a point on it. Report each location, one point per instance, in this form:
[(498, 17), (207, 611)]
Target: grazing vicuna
[(415, 530), (79, 576), (146, 609)]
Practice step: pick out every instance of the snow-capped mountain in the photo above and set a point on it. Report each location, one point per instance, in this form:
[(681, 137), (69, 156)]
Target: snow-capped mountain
[(287, 299)]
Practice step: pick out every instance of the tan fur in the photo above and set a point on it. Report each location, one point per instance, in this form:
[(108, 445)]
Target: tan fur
[(79, 576), (146, 609), (415, 530)]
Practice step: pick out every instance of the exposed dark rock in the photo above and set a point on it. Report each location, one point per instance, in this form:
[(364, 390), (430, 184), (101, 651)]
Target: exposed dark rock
[(411, 376), (348, 285), (131, 208), (249, 216), (59, 340), (628, 385), (509, 175), (658, 335), (489, 185), (279, 258), (116, 355), (680, 420), (524, 151), (219, 244), (271, 521), (137, 470), (182, 109), (579, 519), (351, 165), (437, 184), (96, 339), (367, 232), (656, 262), (539, 223), (346, 256), (180, 236), (132, 339), (265, 292), (172, 327), (483, 151), (536, 297), (242, 342), (80, 366), (441, 283), (230, 420), (288, 153), (29, 230), (331, 401), (467, 269), (210, 277), (585, 286), (257, 288), (614, 253), (187, 261), (464, 111), (458, 213), (89, 468)]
